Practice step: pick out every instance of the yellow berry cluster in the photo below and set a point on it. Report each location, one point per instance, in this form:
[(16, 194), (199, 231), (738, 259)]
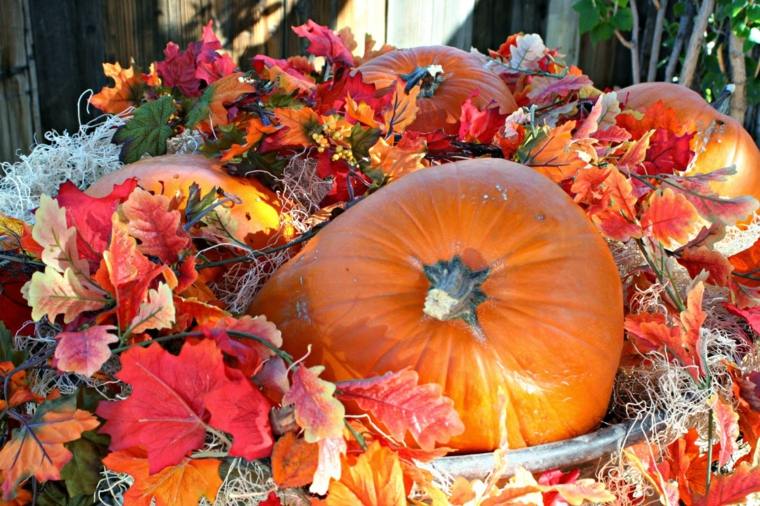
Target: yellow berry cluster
[(335, 131)]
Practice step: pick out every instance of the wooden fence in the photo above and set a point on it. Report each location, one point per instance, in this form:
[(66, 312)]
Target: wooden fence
[(52, 50)]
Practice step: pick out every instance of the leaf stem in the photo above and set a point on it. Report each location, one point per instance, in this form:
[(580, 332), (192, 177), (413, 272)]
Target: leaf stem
[(356, 435), (710, 430), (665, 279), (21, 260)]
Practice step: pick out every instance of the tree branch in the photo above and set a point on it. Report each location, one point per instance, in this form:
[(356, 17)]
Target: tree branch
[(695, 43), (659, 23), (738, 76), (635, 65), (683, 30)]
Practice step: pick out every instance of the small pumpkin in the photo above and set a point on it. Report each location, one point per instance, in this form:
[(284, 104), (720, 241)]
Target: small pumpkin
[(258, 217), (481, 275), (720, 140), (447, 76)]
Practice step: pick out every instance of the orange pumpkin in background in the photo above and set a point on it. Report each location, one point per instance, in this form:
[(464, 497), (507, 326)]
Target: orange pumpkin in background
[(481, 275), (258, 217), (720, 140), (441, 97)]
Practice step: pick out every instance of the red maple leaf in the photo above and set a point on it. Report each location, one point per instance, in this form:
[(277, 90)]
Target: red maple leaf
[(751, 315), (92, 216), (657, 115), (402, 405), (324, 42), (557, 477), (177, 70), (479, 126), (733, 487), (331, 95), (668, 152), (167, 410)]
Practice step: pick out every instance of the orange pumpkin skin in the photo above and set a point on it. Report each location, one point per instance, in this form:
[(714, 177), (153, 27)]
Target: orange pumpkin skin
[(729, 143), (258, 215), (463, 75), (544, 344)]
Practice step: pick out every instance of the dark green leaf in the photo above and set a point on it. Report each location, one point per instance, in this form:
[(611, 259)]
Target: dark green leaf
[(147, 131), (8, 353), (199, 111), (82, 473), (588, 14), (603, 31), (362, 139), (623, 20)]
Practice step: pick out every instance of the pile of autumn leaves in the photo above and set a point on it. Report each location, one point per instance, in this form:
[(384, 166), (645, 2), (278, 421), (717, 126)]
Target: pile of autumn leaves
[(198, 387)]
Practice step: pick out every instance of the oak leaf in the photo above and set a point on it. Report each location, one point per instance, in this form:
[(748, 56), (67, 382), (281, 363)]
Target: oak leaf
[(553, 156), (84, 351), (294, 461), (317, 411), (60, 249), (727, 424), (376, 478), (184, 483), (37, 447), (399, 403), (329, 463), (155, 225), (50, 294), (670, 218), (157, 312)]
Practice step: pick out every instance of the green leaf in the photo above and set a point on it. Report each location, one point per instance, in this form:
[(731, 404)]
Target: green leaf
[(362, 139), (147, 131), (8, 353), (82, 473), (588, 15), (603, 31), (199, 110), (679, 8), (623, 20)]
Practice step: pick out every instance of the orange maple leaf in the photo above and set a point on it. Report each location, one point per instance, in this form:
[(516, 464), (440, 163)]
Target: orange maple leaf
[(403, 109), (36, 448), (226, 90), (670, 219), (18, 387), (294, 461), (297, 123), (553, 155), (375, 478), (156, 225), (361, 112), (254, 132), (123, 94), (396, 161), (184, 483)]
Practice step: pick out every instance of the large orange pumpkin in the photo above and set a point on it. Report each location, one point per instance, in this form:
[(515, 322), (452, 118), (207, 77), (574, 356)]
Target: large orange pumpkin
[(440, 100), (481, 275), (258, 217), (720, 140)]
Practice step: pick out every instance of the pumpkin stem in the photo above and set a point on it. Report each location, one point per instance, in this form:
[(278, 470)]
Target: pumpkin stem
[(454, 291), (429, 78)]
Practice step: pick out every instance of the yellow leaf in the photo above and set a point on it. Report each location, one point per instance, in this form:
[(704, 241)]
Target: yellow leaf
[(375, 479), (403, 109), (57, 239), (155, 313), (11, 231), (50, 294), (361, 112)]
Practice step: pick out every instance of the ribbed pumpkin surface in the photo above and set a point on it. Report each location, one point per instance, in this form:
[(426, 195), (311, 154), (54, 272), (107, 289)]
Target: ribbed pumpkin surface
[(548, 336)]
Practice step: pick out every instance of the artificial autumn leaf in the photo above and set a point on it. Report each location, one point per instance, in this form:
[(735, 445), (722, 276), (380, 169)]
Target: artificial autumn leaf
[(479, 126), (733, 487), (92, 216), (294, 461), (155, 225), (126, 273), (290, 80), (85, 351), (602, 115), (397, 401), (402, 110), (166, 410), (324, 42), (155, 313), (329, 464), (37, 448), (51, 294), (556, 477), (526, 51), (246, 354), (184, 483), (670, 218), (18, 386), (317, 411), (552, 155), (746, 261), (667, 153), (397, 160), (361, 112), (297, 124), (124, 92), (657, 115), (705, 259), (82, 473), (241, 410), (57, 240), (211, 106), (147, 131), (727, 424), (714, 208), (177, 70), (374, 479), (273, 378), (635, 154), (751, 315), (254, 132), (547, 89)]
